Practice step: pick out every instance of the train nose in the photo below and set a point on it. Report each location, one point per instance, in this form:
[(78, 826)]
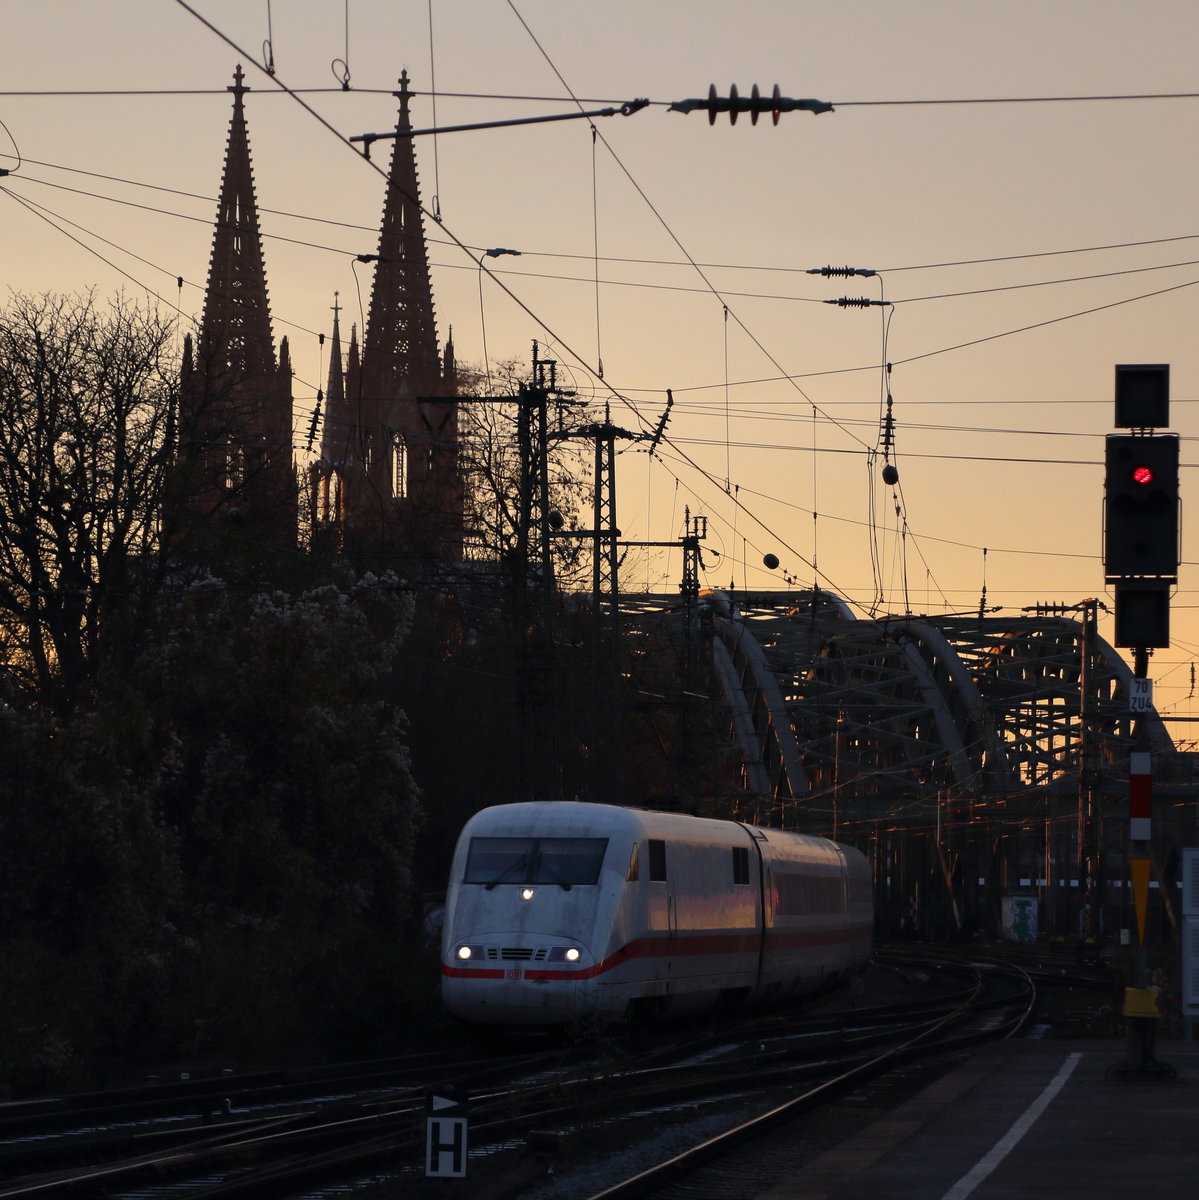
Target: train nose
[(499, 983), (466, 953)]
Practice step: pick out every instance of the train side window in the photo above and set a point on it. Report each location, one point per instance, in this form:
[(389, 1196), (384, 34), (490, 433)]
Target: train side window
[(657, 860), (797, 895), (740, 864)]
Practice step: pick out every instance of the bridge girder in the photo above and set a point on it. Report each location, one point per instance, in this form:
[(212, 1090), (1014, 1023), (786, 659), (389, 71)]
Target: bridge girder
[(893, 710)]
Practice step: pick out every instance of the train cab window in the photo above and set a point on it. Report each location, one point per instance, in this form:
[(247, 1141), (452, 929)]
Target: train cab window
[(565, 861), (634, 873), (740, 864), (568, 860), (657, 859)]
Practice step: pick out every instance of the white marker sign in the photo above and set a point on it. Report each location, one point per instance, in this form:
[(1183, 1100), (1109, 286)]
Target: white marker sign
[(445, 1137), (1140, 695)]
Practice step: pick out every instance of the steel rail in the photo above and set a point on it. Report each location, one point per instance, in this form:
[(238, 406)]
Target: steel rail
[(650, 1181)]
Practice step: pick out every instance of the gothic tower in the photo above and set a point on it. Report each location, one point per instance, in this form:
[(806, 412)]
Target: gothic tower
[(389, 455), (235, 420), (330, 475)]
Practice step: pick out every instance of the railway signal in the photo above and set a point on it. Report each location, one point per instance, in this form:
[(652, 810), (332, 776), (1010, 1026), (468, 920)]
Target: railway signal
[(1140, 534)]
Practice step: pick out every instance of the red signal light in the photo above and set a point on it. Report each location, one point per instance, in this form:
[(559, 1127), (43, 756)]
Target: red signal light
[(1142, 475)]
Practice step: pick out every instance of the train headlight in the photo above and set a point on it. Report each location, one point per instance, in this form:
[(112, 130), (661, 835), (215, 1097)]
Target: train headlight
[(527, 893), (570, 954), (465, 953)]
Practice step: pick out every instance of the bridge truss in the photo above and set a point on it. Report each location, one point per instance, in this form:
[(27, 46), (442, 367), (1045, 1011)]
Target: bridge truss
[(997, 743), (891, 709)]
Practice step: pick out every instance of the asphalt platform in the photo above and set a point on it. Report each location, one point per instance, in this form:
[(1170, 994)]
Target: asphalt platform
[(1031, 1118)]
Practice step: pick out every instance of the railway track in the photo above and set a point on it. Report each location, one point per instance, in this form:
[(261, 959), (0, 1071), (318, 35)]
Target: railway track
[(526, 1106), (989, 1002), (99, 1143)]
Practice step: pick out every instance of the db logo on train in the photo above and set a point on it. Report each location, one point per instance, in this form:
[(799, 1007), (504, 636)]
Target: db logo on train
[(512, 973)]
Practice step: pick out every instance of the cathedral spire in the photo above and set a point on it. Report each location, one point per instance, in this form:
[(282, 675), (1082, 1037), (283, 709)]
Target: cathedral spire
[(337, 432), (388, 472), (235, 436), (236, 340), (399, 356)]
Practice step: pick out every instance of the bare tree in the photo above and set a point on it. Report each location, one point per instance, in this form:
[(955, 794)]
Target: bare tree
[(87, 391), (492, 469)]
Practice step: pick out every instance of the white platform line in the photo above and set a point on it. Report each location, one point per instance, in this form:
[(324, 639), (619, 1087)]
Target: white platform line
[(1004, 1146)]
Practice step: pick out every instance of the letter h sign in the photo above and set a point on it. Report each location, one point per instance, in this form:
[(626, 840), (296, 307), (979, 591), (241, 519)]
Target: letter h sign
[(445, 1136)]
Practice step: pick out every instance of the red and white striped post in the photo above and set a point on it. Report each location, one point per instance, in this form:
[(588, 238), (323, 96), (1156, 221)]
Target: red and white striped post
[(1140, 816)]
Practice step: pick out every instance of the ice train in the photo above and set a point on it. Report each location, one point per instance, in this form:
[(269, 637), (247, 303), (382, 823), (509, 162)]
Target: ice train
[(560, 911)]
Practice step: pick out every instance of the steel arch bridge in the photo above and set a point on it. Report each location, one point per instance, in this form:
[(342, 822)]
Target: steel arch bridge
[(893, 710), (978, 760)]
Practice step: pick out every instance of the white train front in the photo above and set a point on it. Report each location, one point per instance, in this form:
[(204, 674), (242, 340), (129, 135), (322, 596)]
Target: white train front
[(557, 911)]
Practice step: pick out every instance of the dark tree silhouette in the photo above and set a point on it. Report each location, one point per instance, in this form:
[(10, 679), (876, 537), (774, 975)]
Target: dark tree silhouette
[(87, 392)]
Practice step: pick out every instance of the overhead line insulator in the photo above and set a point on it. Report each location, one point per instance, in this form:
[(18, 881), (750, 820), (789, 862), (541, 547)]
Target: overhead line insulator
[(755, 104), (842, 272), (855, 302)]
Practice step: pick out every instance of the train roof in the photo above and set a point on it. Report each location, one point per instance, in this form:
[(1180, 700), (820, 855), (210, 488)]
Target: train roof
[(580, 818)]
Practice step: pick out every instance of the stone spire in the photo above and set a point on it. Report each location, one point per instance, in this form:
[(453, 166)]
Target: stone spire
[(335, 438), (236, 330), (329, 473), (235, 434), (399, 356), (407, 450)]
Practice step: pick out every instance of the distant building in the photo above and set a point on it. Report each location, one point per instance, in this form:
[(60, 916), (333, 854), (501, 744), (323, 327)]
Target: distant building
[(386, 490)]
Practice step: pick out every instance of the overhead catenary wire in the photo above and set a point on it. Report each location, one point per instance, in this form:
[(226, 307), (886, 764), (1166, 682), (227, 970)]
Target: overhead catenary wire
[(738, 507), (654, 210), (344, 251), (593, 256), (1100, 97), (507, 289), (677, 263), (50, 218), (596, 281), (691, 408), (725, 384), (436, 202), (456, 241)]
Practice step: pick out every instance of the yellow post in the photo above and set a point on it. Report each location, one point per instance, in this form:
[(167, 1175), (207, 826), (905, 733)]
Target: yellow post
[(1139, 869)]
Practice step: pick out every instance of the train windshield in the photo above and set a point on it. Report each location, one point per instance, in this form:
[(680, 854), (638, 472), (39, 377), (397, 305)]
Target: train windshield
[(566, 861)]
